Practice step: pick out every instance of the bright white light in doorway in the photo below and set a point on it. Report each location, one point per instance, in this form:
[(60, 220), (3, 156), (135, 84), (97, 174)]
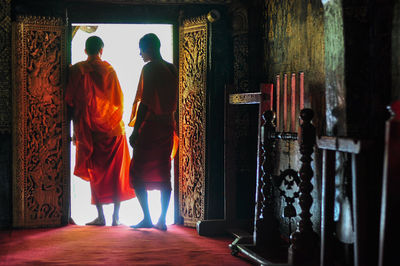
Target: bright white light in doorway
[(121, 50)]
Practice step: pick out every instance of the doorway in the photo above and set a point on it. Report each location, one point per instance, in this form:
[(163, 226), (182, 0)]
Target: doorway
[(121, 50)]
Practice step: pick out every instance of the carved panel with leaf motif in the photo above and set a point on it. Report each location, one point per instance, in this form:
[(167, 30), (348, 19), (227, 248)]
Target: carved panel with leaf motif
[(5, 63), (39, 128), (192, 119)]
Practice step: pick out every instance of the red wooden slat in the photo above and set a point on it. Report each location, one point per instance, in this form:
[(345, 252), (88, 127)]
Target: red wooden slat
[(278, 93), (285, 81), (293, 104)]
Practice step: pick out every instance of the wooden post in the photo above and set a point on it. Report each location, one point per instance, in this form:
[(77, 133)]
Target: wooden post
[(327, 206), (360, 214), (304, 241), (278, 101), (285, 102), (266, 227), (293, 104), (391, 183)]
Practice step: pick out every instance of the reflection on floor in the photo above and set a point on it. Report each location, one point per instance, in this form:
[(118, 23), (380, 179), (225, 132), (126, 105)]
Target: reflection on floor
[(114, 245)]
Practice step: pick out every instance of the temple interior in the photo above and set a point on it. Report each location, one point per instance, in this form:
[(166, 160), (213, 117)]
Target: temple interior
[(288, 121)]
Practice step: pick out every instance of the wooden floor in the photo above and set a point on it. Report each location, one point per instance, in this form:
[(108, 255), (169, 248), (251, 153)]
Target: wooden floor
[(91, 245)]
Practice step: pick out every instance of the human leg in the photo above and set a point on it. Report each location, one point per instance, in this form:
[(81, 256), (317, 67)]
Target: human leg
[(141, 194), (165, 198), (100, 220), (115, 221)]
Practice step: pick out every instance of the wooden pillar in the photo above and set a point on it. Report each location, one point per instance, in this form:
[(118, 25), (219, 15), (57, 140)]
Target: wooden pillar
[(266, 231), (304, 241), (327, 206), (391, 183)]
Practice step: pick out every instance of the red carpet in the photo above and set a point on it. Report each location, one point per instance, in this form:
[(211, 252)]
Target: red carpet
[(88, 245)]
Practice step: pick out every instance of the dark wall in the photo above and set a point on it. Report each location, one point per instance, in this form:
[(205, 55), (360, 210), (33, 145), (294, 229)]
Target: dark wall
[(109, 13), (368, 79), (242, 120), (220, 68), (5, 114), (395, 45), (5, 180), (38, 8), (369, 91), (294, 33), (294, 42)]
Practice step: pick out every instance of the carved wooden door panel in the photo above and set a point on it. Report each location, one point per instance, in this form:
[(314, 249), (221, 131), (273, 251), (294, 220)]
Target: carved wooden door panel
[(41, 153), (192, 119)]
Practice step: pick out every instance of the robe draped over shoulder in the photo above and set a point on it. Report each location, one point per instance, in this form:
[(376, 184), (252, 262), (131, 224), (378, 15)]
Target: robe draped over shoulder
[(157, 141), (102, 153)]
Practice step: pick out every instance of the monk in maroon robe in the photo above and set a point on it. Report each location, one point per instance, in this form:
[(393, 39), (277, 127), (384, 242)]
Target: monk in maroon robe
[(153, 139), (102, 152)]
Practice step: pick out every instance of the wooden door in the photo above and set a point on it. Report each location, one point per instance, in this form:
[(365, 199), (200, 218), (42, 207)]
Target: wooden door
[(203, 68), (40, 132), (193, 37)]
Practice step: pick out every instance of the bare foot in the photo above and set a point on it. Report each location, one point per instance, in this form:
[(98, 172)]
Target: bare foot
[(143, 224), (161, 226), (115, 222), (98, 221)]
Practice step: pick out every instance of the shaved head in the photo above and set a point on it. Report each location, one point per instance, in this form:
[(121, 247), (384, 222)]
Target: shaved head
[(93, 45), (150, 41)]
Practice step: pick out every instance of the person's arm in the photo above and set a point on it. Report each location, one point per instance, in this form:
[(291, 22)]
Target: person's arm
[(141, 114)]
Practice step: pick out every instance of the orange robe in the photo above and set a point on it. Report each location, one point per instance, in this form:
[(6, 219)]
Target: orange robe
[(157, 141), (102, 152)]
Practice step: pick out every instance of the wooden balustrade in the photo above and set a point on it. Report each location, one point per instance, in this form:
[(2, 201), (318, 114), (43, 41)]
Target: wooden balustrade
[(266, 226), (305, 240), (329, 146)]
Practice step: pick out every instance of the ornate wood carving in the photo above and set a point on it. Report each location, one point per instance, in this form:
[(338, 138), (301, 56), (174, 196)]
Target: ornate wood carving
[(266, 227), (305, 240), (287, 184), (5, 64), (192, 119), (40, 157), (240, 49), (240, 64), (245, 98)]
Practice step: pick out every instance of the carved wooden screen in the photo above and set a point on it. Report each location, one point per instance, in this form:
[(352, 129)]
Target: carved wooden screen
[(40, 157), (5, 61), (192, 119)]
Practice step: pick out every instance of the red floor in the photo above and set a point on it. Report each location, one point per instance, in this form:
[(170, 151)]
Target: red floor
[(88, 245)]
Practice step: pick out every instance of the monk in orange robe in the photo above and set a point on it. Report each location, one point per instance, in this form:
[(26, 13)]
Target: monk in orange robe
[(153, 139), (102, 152)]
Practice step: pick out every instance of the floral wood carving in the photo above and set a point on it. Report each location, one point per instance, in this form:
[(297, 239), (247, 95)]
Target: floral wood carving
[(39, 127), (192, 121), (240, 50), (5, 63)]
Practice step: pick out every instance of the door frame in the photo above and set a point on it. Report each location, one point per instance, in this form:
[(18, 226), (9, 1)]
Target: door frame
[(140, 14), (78, 17)]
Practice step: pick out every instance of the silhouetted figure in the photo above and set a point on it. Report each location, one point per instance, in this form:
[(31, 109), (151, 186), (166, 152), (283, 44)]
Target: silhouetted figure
[(102, 152), (153, 138)]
